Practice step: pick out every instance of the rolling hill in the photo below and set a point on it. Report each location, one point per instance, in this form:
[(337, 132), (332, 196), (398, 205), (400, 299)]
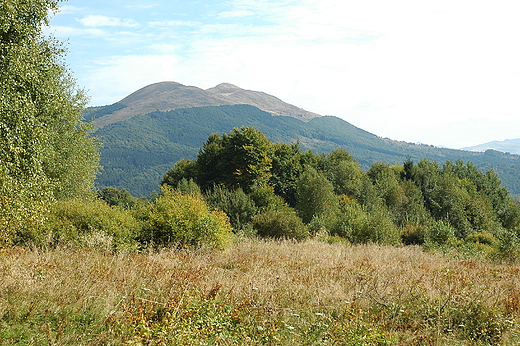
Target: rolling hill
[(151, 129), (508, 146)]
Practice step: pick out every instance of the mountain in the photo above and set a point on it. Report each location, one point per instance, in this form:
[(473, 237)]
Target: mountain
[(167, 96), (508, 146), (147, 132)]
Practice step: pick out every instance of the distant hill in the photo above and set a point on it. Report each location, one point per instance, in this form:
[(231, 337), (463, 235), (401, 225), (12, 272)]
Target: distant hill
[(137, 152), (508, 146), (147, 132), (167, 96)]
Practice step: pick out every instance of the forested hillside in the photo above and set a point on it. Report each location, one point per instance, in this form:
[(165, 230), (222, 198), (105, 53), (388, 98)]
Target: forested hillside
[(138, 151)]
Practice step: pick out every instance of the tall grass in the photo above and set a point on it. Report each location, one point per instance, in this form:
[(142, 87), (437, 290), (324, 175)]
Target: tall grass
[(257, 292)]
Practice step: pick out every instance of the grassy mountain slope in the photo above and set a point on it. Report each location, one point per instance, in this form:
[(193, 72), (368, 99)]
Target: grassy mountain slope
[(139, 150), (167, 96)]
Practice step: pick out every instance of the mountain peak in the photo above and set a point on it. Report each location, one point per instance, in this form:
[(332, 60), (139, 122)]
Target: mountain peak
[(167, 96), (222, 87)]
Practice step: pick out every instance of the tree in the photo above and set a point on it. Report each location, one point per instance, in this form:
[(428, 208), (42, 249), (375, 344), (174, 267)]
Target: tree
[(46, 150), (240, 159), (315, 196)]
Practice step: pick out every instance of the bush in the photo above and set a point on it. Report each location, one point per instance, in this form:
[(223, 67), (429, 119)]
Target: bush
[(183, 220), (265, 198), (91, 223), (238, 206), (440, 233), (279, 224), (483, 237), (413, 234), (361, 227)]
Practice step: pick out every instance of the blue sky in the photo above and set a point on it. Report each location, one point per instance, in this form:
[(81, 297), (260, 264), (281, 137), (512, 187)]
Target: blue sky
[(442, 72)]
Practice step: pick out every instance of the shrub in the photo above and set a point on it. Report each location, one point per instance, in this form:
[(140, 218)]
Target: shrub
[(238, 206), (279, 224), (265, 198), (413, 234), (360, 226), (184, 220), (91, 223), (483, 237), (116, 197), (440, 233)]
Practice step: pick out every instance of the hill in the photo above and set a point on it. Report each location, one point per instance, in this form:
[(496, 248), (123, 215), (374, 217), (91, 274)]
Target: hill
[(508, 146), (139, 150), (168, 96)]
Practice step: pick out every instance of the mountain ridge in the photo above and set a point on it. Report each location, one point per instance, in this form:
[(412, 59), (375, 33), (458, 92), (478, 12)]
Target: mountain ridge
[(508, 146), (143, 143), (168, 96)]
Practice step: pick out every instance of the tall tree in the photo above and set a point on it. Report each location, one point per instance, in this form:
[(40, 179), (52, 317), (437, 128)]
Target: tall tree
[(240, 159), (46, 151), (315, 195)]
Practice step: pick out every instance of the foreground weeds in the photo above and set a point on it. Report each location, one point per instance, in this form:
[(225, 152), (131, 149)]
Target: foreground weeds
[(257, 293)]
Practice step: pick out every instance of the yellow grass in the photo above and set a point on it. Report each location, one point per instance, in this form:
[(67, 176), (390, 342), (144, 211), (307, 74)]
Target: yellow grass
[(402, 294)]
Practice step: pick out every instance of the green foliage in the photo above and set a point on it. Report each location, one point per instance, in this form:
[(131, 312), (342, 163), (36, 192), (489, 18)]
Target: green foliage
[(92, 224), (183, 220), (239, 207), (414, 203), (440, 233), (282, 224), (188, 187), (47, 152), (118, 198), (483, 237), (357, 225), (240, 159), (183, 169), (266, 199), (288, 163), (314, 195)]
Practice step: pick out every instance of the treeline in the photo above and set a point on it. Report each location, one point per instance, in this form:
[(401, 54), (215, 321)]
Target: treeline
[(279, 190), (136, 152), (243, 184)]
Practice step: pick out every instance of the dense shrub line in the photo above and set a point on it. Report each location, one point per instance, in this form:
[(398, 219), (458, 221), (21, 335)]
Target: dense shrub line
[(278, 191)]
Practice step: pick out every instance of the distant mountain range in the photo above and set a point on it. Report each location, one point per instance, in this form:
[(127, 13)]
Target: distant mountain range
[(145, 133), (508, 146), (167, 96)]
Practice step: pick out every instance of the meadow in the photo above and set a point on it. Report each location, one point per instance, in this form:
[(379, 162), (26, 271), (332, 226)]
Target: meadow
[(257, 292)]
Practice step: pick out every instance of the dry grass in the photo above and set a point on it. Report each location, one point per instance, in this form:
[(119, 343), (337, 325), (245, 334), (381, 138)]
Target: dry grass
[(257, 292)]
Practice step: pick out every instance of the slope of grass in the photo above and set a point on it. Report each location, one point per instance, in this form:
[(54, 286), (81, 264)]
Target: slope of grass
[(257, 292)]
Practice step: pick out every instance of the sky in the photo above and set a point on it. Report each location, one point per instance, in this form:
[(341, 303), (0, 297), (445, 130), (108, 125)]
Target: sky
[(444, 72)]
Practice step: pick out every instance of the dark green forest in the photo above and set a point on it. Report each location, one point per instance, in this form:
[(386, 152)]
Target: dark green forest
[(280, 190), (137, 152)]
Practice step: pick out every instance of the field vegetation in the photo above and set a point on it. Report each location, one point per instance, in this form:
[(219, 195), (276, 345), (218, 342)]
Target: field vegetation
[(252, 242), (257, 292)]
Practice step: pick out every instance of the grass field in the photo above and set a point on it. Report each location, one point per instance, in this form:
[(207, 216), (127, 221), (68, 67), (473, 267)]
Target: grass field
[(257, 293)]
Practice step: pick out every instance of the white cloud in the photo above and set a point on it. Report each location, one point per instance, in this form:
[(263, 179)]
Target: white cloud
[(67, 31), (67, 9), (164, 48), (97, 21), (236, 14), (173, 23), (404, 69), (142, 7)]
